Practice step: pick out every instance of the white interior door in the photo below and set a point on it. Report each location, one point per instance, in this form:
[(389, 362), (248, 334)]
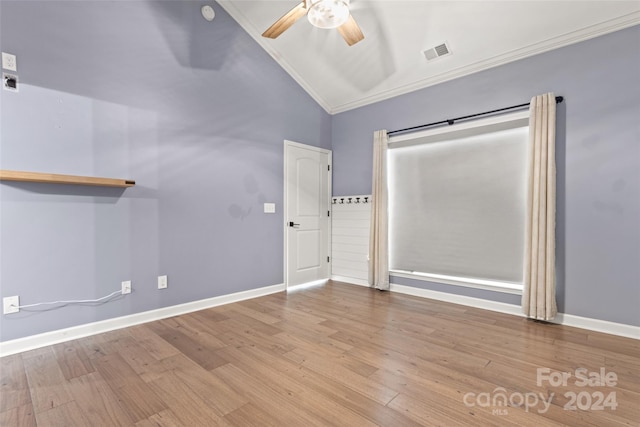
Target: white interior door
[(307, 227)]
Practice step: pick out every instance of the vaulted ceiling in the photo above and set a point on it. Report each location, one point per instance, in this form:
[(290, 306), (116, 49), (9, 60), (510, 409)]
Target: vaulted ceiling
[(391, 60)]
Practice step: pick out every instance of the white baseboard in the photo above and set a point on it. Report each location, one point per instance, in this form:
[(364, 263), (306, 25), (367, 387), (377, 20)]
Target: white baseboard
[(351, 280), (54, 337), (605, 326), (459, 299), (597, 325)]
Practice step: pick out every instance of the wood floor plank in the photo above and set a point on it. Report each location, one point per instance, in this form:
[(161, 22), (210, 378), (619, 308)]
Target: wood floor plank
[(302, 340), (422, 412), (431, 392), (332, 355), (331, 368), (628, 374), (311, 330), (69, 414), (251, 415), (135, 396), (215, 392), (72, 359), (213, 315), (254, 313), (23, 416), (283, 407), (198, 351), (141, 361), (249, 322), (268, 397), (265, 367), (96, 398), (14, 388), (622, 358), (139, 400), (194, 328), (106, 343), (246, 336), (620, 345), (296, 379), (204, 324), (152, 343), (285, 378), (115, 370), (165, 418), (188, 406), (290, 314), (46, 382), (410, 329), (561, 358)]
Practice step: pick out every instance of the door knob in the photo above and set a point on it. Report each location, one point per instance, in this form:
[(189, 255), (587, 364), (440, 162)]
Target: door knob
[(293, 224)]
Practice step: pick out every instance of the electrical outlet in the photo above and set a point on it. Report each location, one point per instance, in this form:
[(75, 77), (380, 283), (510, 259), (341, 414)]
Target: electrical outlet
[(10, 82), (162, 282), (9, 62), (10, 305), (126, 287)]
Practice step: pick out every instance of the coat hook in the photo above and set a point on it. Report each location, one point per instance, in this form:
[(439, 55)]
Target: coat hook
[(334, 201), (366, 200), (349, 200), (342, 200), (357, 199)]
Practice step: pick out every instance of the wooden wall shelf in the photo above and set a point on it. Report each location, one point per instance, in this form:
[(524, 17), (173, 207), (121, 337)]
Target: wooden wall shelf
[(52, 178)]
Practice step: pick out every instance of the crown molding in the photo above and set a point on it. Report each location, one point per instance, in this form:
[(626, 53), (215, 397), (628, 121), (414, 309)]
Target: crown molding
[(552, 43)]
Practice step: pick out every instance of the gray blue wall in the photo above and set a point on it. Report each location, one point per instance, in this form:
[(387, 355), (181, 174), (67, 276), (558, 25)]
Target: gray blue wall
[(195, 112), (598, 160)]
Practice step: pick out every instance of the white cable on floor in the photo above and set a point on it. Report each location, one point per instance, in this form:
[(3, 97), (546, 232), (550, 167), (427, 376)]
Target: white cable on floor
[(72, 301)]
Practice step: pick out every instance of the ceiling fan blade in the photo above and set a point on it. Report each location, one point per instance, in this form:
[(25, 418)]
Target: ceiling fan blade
[(282, 24), (350, 31)]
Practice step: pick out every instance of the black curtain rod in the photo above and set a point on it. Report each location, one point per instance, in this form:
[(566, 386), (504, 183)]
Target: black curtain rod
[(559, 99)]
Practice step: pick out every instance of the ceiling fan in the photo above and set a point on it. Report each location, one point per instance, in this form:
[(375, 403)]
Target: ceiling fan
[(322, 14)]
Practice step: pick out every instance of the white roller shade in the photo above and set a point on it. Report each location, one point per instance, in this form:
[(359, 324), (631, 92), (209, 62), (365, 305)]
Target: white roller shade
[(457, 202)]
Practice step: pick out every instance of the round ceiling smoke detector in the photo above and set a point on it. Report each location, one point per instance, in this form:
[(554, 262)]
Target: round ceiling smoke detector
[(208, 13)]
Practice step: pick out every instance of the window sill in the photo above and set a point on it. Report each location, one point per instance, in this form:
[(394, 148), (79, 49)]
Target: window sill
[(487, 285)]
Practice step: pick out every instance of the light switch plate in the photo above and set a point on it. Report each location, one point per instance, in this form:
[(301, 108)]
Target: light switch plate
[(269, 208), (162, 282)]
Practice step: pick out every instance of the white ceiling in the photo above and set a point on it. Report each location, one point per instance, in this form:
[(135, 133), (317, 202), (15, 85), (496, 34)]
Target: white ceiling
[(390, 60)]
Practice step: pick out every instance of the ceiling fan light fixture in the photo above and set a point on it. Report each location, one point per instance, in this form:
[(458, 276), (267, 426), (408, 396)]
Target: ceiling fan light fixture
[(328, 13)]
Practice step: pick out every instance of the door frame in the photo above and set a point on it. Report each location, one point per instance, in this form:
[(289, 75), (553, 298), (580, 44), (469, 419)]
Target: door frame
[(285, 208)]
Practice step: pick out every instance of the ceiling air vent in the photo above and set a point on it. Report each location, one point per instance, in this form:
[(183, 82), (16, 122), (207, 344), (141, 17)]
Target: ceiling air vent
[(437, 52)]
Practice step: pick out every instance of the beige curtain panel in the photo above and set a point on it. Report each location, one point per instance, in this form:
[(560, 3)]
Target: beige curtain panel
[(539, 294), (379, 235)]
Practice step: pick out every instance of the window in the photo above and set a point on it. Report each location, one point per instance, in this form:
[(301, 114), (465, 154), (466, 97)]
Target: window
[(457, 203)]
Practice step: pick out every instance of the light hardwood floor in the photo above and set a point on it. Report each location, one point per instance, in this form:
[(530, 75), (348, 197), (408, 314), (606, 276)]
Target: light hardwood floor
[(338, 355)]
